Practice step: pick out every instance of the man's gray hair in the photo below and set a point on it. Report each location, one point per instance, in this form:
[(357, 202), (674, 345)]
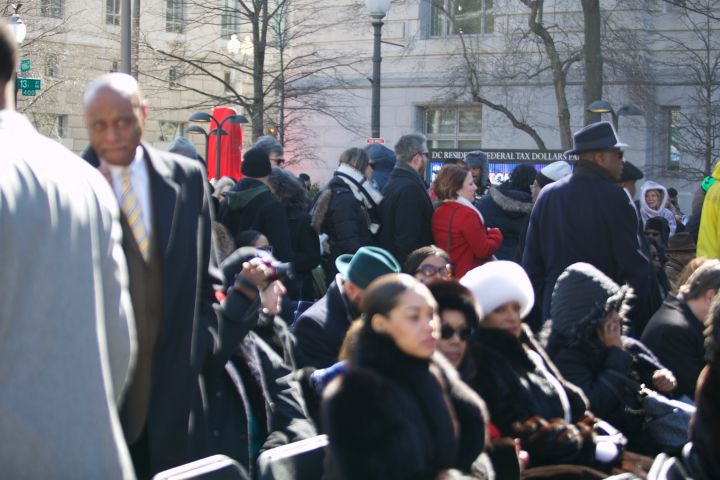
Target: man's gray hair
[(706, 277), (269, 144), (408, 146), (117, 82)]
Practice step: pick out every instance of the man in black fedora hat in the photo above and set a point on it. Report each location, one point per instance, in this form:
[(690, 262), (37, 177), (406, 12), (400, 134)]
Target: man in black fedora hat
[(587, 217)]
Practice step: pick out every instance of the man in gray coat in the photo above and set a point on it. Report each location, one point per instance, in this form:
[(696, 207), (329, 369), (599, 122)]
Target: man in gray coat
[(67, 338)]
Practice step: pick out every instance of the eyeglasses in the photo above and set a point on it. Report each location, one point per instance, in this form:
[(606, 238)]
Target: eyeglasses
[(424, 154), (447, 332), (279, 161), (431, 270), (266, 248)]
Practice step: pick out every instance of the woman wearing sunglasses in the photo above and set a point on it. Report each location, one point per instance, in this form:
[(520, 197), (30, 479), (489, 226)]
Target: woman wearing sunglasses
[(458, 321), (428, 264), (526, 395), (457, 225), (399, 411)]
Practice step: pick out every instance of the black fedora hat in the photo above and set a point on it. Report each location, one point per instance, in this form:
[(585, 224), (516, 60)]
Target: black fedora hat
[(595, 137)]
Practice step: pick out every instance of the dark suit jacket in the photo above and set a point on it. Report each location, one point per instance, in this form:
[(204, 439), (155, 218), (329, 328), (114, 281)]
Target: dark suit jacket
[(181, 233), (406, 212), (321, 329)]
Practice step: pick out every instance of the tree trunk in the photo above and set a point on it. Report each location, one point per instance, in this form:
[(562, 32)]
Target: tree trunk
[(556, 66), (592, 87)]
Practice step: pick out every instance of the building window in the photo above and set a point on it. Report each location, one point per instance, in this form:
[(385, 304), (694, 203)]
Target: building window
[(672, 132), (175, 16), (52, 126), (52, 66), (452, 127), (174, 78), (114, 66), (455, 17), (229, 19), (227, 82), (169, 130), (52, 8), (112, 12)]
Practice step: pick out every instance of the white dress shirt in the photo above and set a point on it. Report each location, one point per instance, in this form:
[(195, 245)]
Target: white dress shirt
[(140, 181)]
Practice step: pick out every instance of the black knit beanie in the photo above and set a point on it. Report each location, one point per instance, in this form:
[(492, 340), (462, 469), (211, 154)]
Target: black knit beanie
[(256, 163)]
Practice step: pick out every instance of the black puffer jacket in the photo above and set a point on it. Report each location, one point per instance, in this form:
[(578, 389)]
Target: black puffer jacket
[(508, 210), (388, 418), (342, 217)]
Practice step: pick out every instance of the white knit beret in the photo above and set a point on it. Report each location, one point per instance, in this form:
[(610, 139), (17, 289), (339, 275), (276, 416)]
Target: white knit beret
[(497, 283)]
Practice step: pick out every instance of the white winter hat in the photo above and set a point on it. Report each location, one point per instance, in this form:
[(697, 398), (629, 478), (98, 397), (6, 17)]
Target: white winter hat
[(553, 172), (497, 283)]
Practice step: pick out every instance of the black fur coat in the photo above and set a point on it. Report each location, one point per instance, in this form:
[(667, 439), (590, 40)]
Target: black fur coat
[(388, 417)]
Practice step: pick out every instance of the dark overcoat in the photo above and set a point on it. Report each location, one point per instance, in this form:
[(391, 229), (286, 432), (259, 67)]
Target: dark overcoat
[(406, 213), (181, 214), (320, 330), (586, 217)]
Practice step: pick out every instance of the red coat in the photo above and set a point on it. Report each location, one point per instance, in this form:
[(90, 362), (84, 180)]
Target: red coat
[(470, 243)]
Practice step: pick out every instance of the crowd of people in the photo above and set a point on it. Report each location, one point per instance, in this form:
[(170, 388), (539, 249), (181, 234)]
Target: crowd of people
[(150, 318)]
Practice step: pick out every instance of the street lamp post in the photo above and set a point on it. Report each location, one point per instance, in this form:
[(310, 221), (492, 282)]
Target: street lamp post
[(378, 9), (601, 106), (199, 129), (202, 117), (19, 30)]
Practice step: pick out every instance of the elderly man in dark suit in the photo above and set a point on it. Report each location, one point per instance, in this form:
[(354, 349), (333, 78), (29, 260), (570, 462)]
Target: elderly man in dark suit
[(166, 238), (587, 217)]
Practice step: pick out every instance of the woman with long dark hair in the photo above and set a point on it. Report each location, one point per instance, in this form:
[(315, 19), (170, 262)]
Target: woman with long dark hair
[(303, 238), (400, 411)]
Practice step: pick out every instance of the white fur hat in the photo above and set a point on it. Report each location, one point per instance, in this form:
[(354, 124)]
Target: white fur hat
[(497, 283)]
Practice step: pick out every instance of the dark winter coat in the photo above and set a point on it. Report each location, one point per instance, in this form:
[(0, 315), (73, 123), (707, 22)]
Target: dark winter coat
[(586, 217), (343, 218), (675, 335), (599, 372), (320, 330), (249, 399), (513, 385), (250, 205), (508, 210), (306, 254), (254, 404), (406, 213), (388, 418)]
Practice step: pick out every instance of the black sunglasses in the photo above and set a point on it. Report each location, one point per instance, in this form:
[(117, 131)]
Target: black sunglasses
[(431, 270), (447, 332)]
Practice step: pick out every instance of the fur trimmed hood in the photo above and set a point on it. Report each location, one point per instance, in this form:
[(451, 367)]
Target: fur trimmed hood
[(511, 201)]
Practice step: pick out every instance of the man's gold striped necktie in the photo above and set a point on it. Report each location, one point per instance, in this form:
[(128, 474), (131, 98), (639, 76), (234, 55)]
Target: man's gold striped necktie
[(133, 212)]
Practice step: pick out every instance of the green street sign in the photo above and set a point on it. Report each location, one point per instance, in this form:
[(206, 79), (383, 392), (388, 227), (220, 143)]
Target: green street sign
[(28, 93), (28, 83), (25, 65)]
